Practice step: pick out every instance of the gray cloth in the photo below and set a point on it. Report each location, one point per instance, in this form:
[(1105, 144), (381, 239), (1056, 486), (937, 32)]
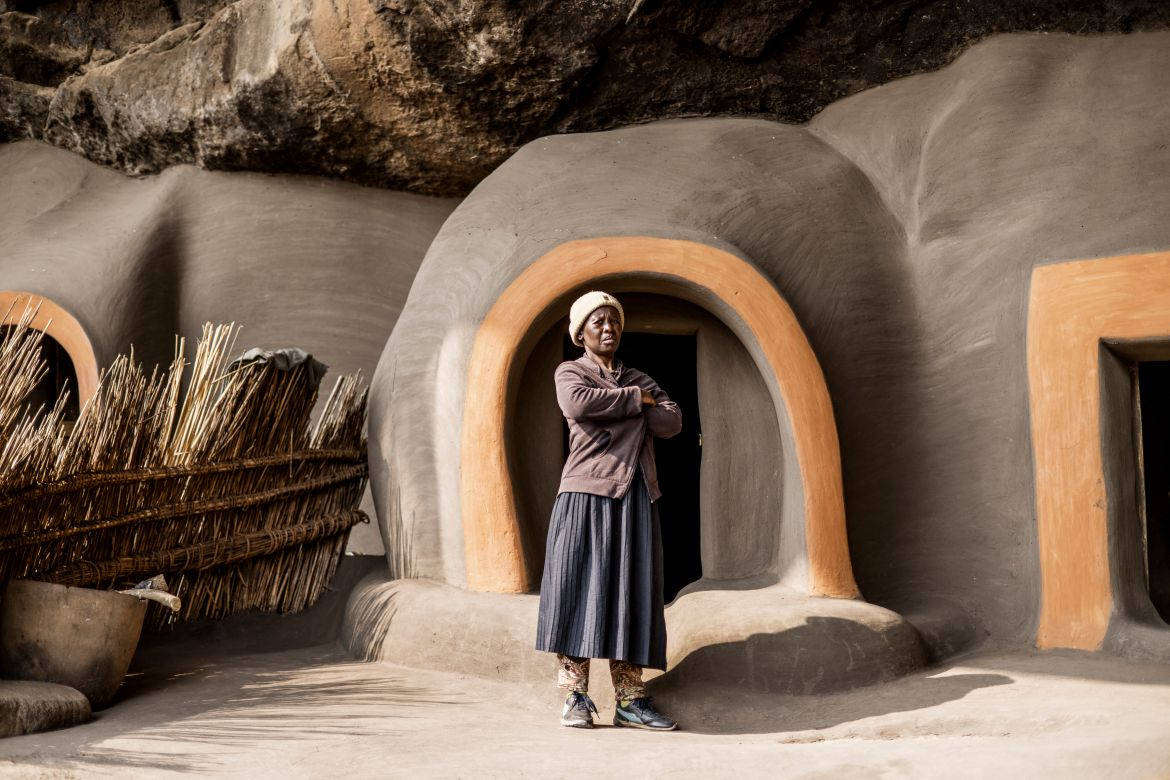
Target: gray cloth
[(284, 360), (601, 594)]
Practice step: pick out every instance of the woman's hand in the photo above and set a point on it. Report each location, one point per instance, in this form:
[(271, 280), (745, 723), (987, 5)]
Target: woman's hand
[(648, 400)]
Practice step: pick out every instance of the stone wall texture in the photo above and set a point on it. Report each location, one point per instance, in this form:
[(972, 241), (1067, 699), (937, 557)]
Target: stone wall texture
[(432, 96)]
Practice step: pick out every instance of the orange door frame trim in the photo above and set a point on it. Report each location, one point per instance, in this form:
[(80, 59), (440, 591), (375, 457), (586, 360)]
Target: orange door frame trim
[(53, 320), (492, 544), (1072, 308)]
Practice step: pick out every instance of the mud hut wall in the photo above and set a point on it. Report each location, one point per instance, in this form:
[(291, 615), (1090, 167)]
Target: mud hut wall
[(902, 227), (75, 232), (294, 261), (1029, 150), (746, 505), (770, 193), (536, 451)]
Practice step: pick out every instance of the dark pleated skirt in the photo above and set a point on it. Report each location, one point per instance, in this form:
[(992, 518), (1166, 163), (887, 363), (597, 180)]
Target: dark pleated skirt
[(601, 594)]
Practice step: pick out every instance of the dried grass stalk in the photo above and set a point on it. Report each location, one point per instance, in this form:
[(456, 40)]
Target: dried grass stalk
[(149, 473)]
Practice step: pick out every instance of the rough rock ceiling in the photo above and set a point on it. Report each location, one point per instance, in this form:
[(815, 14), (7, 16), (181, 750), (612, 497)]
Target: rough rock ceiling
[(430, 96)]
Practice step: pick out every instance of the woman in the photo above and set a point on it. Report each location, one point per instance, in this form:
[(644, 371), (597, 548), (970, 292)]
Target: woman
[(601, 594)]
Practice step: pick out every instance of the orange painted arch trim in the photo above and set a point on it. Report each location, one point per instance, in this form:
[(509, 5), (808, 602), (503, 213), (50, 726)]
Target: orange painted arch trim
[(492, 542), (1072, 308), (53, 320)]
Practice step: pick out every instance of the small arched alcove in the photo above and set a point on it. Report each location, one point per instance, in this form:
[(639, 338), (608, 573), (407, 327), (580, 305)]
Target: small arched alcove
[(509, 461), (67, 350), (58, 381)]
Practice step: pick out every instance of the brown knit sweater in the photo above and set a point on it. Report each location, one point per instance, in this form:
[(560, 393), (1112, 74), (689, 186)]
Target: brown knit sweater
[(610, 431)]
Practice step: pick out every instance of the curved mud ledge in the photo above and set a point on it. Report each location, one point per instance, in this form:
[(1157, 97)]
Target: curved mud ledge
[(29, 707), (768, 640)]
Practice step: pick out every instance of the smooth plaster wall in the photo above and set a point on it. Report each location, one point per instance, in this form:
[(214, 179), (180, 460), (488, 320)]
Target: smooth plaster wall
[(295, 261), (1029, 150), (708, 181), (901, 225)]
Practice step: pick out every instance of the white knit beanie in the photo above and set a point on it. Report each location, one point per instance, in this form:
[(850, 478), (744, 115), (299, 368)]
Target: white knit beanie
[(586, 305)]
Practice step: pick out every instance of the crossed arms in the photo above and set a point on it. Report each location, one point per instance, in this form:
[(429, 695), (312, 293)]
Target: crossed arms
[(580, 400)]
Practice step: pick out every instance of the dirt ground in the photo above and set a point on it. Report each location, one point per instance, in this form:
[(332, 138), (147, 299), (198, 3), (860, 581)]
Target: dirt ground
[(314, 712)]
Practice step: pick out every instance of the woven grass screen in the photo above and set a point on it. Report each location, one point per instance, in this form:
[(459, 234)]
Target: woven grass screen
[(215, 478)]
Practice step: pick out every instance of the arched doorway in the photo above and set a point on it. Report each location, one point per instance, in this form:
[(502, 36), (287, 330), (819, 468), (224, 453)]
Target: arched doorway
[(814, 544), (67, 348), (718, 508)]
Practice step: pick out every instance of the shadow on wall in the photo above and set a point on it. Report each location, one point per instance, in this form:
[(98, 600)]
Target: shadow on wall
[(260, 632), (155, 289), (822, 655), (367, 622), (398, 539)]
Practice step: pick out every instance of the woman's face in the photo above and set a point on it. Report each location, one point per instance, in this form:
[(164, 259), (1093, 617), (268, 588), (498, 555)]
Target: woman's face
[(602, 331)]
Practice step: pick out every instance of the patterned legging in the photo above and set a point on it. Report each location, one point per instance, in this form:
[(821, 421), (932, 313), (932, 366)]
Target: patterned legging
[(573, 675)]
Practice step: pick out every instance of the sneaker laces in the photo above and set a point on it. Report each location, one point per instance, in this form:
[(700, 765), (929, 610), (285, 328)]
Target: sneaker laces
[(579, 697), (644, 705)]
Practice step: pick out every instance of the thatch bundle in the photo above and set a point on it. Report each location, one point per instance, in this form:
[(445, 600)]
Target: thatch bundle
[(223, 486)]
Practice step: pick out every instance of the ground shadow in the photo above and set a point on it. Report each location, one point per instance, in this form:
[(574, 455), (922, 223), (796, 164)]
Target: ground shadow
[(763, 683), (709, 712), (820, 654), (187, 716), (1074, 664), (259, 632)]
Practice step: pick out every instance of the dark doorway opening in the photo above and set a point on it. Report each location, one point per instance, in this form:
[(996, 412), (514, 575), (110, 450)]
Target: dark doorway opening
[(1153, 388), (60, 378), (672, 361)]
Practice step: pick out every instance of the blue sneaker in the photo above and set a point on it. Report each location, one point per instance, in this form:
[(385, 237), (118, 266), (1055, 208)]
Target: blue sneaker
[(640, 714), (577, 711)]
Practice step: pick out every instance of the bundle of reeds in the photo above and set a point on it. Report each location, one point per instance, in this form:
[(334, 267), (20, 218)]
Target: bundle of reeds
[(223, 486)]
